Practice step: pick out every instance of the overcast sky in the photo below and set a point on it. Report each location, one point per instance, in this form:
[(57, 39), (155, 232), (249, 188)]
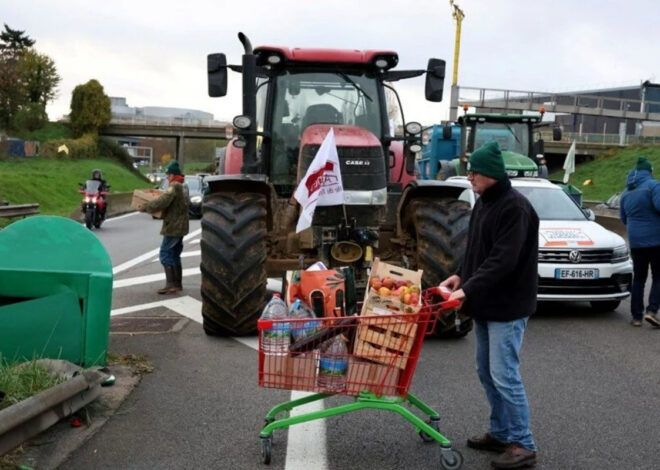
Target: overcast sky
[(153, 53)]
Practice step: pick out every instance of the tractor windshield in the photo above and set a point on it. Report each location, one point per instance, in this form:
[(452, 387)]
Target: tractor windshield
[(303, 98), (512, 136)]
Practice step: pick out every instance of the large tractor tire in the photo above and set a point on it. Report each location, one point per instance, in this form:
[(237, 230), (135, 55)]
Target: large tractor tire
[(440, 229), (233, 262)]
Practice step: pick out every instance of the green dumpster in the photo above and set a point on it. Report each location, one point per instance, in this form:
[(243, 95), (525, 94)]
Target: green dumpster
[(55, 292)]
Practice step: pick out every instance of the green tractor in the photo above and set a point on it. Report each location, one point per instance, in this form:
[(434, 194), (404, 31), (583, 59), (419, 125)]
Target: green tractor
[(514, 132)]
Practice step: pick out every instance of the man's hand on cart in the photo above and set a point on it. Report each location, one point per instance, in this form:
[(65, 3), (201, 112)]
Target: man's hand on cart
[(450, 288)]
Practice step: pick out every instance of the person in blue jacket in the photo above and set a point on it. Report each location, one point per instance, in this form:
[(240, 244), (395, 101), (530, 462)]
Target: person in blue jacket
[(640, 213)]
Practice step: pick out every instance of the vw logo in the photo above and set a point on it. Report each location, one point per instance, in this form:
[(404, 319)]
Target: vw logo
[(574, 256)]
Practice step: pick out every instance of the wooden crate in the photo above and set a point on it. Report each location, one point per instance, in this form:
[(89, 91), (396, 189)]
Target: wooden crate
[(143, 196), (386, 340)]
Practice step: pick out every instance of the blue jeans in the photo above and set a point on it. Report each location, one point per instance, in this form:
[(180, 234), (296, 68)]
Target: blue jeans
[(642, 258), (170, 251), (498, 367)]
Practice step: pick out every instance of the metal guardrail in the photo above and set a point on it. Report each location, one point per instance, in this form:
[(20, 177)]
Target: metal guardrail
[(19, 210), (576, 103)]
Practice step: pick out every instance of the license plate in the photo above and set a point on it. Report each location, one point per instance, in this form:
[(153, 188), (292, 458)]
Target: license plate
[(584, 273)]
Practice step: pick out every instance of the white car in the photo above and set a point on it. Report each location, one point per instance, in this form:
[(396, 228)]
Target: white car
[(579, 260)]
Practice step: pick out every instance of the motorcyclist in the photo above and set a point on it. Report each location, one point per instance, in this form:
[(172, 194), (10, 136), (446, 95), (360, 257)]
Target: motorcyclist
[(104, 186)]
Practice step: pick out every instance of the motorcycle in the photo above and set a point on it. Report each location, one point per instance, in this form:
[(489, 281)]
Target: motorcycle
[(93, 204)]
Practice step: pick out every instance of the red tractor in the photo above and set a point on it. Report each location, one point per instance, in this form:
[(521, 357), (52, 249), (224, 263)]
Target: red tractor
[(291, 99)]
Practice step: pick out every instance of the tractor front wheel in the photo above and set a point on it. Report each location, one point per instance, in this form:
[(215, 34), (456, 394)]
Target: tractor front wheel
[(440, 229), (233, 262)]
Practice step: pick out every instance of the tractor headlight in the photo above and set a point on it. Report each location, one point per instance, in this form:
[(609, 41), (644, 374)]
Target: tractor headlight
[(414, 148), (93, 200), (413, 128), (242, 122), (274, 59), (87, 199), (196, 199), (240, 143), (620, 254)]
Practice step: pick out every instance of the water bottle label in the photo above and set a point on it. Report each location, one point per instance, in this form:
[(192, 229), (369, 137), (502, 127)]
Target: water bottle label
[(333, 366), (279, 330), (306, 329)]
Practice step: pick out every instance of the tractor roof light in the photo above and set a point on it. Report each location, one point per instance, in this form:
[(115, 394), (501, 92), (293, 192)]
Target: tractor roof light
[(414, 148), (240, 143), (381, 63), (274, 59), (242, 122), (413, 128)]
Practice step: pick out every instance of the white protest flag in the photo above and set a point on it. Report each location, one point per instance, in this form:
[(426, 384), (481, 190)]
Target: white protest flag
[(569, 163), (322, 184)]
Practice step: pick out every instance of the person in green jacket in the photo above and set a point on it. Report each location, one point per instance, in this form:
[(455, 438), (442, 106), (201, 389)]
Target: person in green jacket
[(173, 205)]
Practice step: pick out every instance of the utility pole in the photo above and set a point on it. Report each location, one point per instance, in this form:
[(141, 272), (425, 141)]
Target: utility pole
[(458, 15)]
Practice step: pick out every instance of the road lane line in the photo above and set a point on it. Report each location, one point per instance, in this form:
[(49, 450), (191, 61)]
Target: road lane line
[(134, 281), (130, 214), (306, 443), (129, 264), (306, 446), (196, 241), (185, 254)]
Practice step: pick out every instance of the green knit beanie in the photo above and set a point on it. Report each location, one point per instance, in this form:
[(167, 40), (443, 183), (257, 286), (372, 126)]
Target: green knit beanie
[(173, 168), (487, 160), (643, 163)]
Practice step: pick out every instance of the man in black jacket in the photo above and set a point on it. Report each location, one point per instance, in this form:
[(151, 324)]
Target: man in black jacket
[(497, 283)]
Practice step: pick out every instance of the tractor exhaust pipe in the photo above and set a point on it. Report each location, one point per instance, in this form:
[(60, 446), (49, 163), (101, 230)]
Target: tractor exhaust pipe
[(250, 163)]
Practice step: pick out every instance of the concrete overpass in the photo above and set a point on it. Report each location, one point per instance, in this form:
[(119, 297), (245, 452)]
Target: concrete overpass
[(174, 128)]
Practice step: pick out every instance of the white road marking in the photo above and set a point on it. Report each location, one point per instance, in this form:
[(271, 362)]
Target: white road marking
[(306, 446), (185, 254), (129, 264), (134, 281), (130, 214), (196, 241)]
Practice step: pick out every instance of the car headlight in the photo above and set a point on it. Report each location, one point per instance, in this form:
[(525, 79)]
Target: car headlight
[(620, 254), (196, 199)]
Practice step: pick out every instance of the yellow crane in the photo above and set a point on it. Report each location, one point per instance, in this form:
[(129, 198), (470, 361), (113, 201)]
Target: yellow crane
[(458, 15)]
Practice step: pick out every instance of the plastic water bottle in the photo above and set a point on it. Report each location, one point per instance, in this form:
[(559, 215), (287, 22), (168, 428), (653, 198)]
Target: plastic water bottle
[(333, 365), (277, 339), (302, 329)]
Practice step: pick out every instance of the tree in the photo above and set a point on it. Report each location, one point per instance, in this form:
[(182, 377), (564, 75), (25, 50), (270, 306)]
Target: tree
[(14, 41), (30, 117), (90, 108), (38, 76)]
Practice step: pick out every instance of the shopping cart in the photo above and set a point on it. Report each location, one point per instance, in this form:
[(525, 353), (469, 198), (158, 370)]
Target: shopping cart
[(376, 368)]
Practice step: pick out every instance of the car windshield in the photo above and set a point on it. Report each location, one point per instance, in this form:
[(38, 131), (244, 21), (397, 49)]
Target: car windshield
[(194, 184), (551, 204), (306, 98), (92, 186), (512, 136)]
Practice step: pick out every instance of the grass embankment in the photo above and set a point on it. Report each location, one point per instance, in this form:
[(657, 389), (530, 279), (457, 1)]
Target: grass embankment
[(54, 183), (19, 382), (608, 172)]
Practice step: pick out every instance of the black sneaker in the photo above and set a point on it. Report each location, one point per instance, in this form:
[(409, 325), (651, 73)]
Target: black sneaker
[(486, 442)]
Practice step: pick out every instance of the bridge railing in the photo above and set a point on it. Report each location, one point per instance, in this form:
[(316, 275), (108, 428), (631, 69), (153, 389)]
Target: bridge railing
[(557, 102), (603, 139), (167, 122)]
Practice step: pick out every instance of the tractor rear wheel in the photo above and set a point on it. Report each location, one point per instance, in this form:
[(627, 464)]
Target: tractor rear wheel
[(440, 229), (233, 262)]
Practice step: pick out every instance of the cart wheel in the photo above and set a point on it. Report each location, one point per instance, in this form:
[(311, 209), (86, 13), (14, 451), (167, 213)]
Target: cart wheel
[(434, 423), (451, 460), (266, 446)]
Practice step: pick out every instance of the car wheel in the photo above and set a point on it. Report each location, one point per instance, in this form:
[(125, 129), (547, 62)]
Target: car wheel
[(603, 306)]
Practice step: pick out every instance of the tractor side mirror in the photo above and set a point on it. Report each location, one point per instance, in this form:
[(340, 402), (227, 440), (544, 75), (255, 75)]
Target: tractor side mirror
[(216, 69), (435, 80), (556, 133)]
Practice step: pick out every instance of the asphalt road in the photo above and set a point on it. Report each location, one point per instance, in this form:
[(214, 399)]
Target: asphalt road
[(593, 384)]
